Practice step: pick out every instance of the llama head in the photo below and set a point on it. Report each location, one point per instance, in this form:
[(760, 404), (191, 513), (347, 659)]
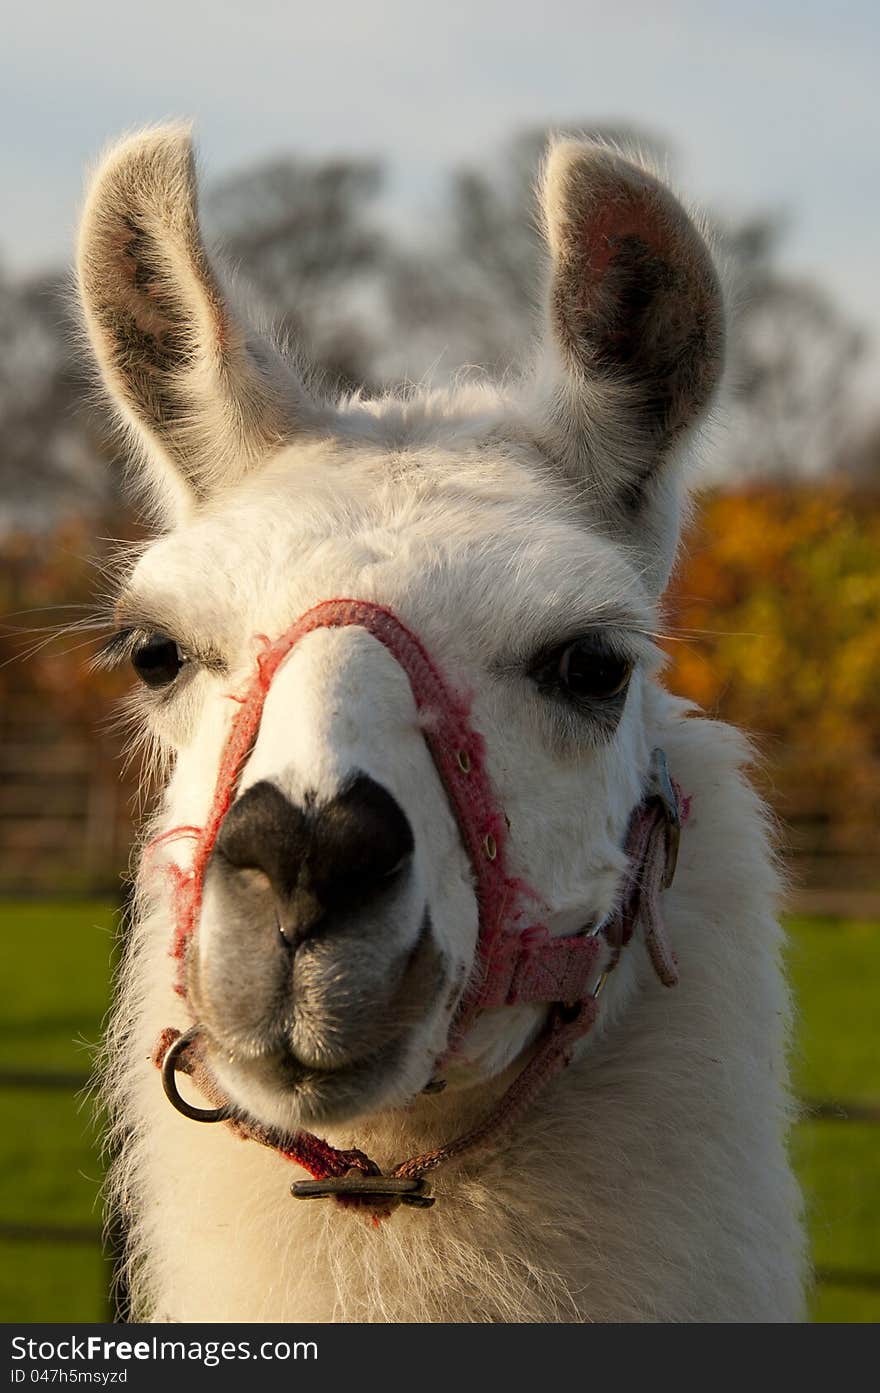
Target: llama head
[(525, 536)]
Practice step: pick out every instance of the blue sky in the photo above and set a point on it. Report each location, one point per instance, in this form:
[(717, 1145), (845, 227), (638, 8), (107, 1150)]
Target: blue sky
[(769, 105)]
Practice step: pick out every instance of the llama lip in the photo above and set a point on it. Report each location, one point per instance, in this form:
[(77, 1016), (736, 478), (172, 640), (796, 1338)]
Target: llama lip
[(326, 1046), (280, 1086), (328, 1031), (278, 1089)]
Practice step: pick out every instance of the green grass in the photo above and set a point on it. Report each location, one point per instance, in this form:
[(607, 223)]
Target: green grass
[(53, 1282), (835, 971), (54, 971), (54, 983), (55, 962)]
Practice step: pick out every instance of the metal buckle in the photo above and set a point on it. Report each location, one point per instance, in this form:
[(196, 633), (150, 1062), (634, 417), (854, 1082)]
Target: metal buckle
[(662, 790), (374, 1189)]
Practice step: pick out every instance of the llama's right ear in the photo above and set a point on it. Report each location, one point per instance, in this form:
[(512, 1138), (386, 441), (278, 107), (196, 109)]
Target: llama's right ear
[(634, 345), (205, 400)]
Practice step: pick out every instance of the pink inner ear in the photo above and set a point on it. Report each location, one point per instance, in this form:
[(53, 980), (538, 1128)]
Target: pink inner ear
[(139, 296), (609, 225)]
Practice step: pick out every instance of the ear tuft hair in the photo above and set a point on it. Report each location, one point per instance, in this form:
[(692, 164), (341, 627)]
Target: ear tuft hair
[(207, 400), (635, 335)]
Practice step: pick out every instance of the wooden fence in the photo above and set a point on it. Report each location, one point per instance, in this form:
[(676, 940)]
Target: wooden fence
[(65, 816)]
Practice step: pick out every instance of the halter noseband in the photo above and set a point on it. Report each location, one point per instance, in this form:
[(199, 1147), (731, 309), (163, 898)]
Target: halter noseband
[(514, 964)]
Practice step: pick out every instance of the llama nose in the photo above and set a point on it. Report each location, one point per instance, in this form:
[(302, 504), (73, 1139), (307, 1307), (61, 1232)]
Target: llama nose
[(320, 860)]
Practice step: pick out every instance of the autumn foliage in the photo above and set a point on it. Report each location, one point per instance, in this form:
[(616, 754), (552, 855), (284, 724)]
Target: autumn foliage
[(53, 612), (775, 623)]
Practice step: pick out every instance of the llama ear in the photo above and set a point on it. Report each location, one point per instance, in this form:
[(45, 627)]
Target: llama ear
[(204, 399), (635, 344)]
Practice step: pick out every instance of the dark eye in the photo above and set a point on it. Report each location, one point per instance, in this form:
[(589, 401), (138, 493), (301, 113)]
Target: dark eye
[(587, 670), (157, 660)]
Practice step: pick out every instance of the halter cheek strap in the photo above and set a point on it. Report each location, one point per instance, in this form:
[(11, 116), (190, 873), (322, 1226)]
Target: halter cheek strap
[(515, 964)]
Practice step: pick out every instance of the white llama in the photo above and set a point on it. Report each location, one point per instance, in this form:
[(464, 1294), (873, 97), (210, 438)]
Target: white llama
[(320, 898)]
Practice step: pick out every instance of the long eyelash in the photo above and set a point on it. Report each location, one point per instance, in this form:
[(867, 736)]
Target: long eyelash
[(116, 650)]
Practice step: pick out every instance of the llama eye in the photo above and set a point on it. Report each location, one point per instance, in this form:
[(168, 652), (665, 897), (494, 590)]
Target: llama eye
[(157, 660), (587, 670)]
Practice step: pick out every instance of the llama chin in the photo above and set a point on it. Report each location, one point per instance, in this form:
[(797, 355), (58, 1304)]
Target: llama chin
[(525, 534)]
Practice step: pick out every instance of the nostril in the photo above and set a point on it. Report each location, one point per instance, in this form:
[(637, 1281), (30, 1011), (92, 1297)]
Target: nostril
[(317, 861), (363, 838), (264, 838)]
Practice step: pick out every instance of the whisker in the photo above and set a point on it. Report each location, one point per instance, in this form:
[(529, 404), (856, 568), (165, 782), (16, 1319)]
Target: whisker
[(683, 635), (54, 635), (44, 609)]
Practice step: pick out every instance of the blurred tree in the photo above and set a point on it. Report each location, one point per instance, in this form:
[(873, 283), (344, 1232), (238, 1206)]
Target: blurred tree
[(792, 364), (45, 646), (775, 618), (303, 236), (53, 445), (66, 813), (859, 457)]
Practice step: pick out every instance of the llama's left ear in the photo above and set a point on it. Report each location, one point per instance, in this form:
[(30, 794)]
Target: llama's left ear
[(204, 398), (635, 343)]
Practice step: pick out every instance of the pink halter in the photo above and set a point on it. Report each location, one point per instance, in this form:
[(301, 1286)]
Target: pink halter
[(513, 965)]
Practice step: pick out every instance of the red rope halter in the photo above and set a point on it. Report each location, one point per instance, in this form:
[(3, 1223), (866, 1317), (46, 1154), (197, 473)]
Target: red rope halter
[(513, 964)]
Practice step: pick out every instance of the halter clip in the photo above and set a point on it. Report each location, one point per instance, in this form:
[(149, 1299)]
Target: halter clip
[(373, 1189), (661, 790)]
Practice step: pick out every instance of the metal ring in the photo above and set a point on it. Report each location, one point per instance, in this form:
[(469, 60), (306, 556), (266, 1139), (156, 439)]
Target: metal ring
[(169, 1083)]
